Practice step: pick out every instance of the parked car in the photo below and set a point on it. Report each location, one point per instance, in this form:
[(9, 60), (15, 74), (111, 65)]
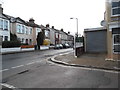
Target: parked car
[(66, 45), (51, 46), (61, 46), (58, 46)]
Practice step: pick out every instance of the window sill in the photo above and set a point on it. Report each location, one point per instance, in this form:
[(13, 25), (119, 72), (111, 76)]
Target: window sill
[(19, 33), (118, 15), (5, 29)]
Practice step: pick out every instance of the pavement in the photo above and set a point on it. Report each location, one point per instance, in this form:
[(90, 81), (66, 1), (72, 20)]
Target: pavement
[(88, 60)]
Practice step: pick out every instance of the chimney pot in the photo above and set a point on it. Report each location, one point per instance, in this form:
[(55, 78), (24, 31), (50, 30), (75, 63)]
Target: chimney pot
[(31, 20), (52, 27), (47, 25)]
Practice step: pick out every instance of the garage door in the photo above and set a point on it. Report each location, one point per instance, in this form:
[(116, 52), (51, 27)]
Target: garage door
[(96, 41)]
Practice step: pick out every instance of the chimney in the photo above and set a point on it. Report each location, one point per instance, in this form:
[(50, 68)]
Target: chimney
[(47, 25), (52, 27), (68, 32), (31, 20), (1, 9), (62, 29)]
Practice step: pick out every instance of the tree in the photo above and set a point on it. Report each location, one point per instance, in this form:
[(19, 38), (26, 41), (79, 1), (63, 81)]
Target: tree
[(40, 39), (13, 37)]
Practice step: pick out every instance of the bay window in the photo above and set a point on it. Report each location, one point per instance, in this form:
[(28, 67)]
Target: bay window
[(26, 30), (30, 30), (5, 25), (23, 29), (1, 24), (18, 28)]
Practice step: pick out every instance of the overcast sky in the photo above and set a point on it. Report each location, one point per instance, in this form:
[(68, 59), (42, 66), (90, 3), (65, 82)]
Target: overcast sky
[(57, 13)]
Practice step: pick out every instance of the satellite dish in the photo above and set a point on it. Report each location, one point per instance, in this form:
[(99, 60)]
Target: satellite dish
[(103, 23)]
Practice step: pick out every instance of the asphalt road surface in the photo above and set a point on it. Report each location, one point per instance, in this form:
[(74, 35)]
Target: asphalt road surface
[(38, 72), (11, 60)]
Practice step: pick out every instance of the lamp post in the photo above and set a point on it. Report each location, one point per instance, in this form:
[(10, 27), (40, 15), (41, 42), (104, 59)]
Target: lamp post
[(76, 24), (76, 35)]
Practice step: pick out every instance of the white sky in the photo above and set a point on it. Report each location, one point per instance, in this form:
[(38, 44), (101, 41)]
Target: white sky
[(57, 13)]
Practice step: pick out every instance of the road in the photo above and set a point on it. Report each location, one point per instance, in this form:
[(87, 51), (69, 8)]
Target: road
[(19, 62), (33, 70), (12, 60)]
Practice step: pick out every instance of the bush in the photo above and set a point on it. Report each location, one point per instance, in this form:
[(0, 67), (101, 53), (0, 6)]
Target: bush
[(9, 44), (24, 43)]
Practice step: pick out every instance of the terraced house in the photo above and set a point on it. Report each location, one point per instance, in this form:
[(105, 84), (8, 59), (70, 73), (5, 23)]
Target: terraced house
[(22, 30), (112, 18), (35, 30), (4, 26), (27, 31)]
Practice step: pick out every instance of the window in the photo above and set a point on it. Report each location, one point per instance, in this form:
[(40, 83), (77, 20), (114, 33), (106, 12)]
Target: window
[(1, 24), (26, 30), (1, 38), (116, 43), (5, 25), (30, 41), (26, 41), (60, 36), (56, 35), (46, 33), (6, 38), (116, 8), (23, 29), (18, 29), (115, 4), (19, 39), (117, 39), (22, 40), (37, 31), (116, 11), (30, 30)]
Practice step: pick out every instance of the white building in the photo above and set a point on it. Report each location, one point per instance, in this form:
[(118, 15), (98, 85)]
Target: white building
[(4, 26)]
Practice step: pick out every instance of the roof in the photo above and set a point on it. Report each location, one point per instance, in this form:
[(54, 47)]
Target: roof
[(95, 29), (5, 16), (20, 20), (8, 16), (32, 24)]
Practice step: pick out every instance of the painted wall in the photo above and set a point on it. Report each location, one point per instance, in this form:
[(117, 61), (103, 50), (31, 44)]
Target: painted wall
[(25, 35), (112, 22), (4, 32)]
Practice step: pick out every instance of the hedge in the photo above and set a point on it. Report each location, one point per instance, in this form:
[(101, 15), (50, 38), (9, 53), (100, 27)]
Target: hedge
[(9, 44)]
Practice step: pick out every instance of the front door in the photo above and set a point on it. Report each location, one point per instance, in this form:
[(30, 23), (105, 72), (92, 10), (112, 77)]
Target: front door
[(116, 43)]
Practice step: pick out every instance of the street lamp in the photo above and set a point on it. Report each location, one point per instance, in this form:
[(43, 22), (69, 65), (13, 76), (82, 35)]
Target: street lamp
[(76, 24), (75, 37)]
